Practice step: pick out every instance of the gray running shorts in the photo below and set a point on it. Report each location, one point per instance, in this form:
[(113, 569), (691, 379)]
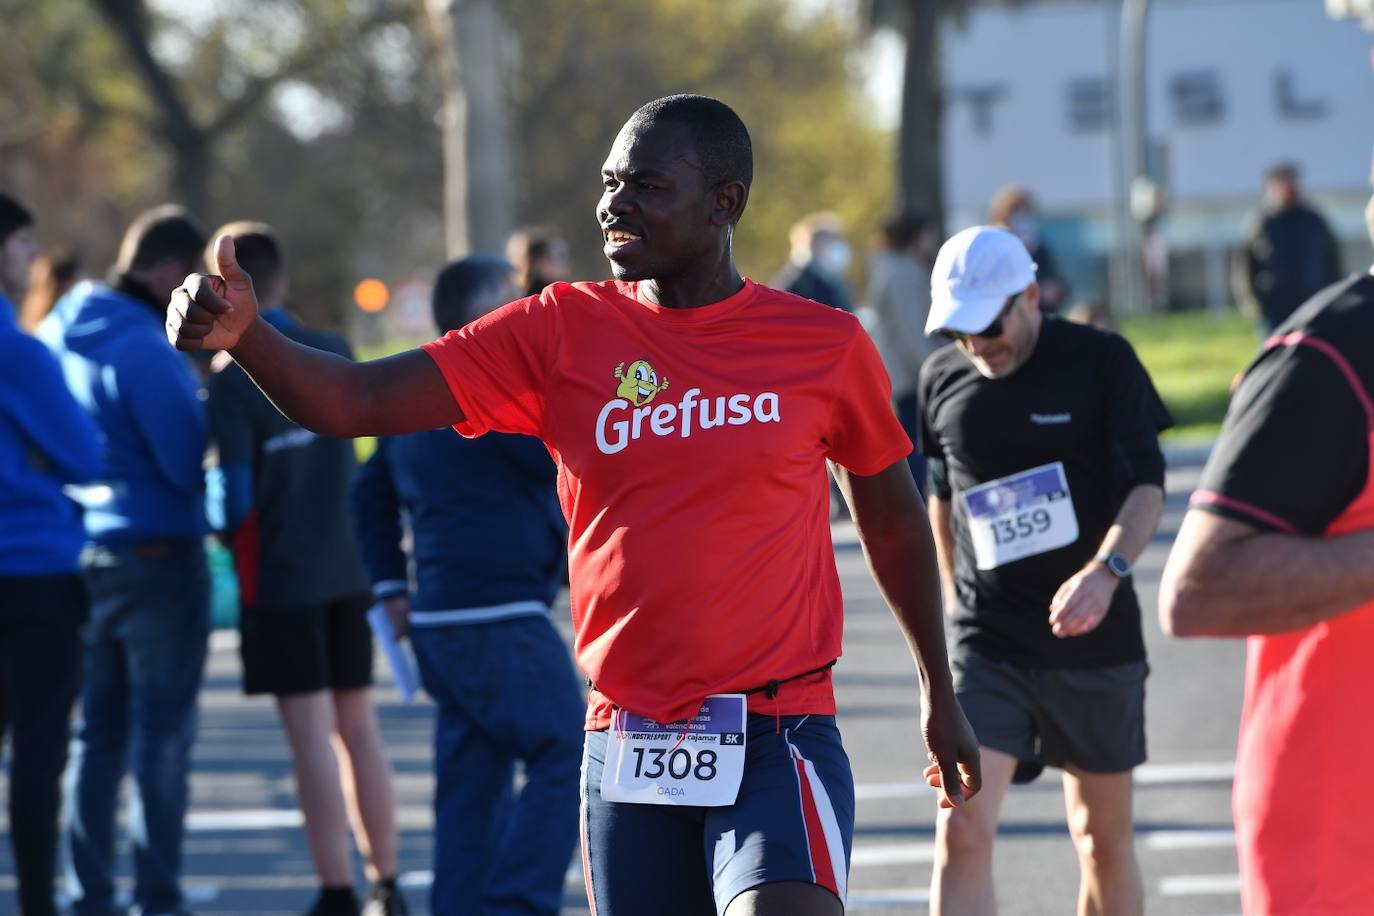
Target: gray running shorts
[(1091, 718)]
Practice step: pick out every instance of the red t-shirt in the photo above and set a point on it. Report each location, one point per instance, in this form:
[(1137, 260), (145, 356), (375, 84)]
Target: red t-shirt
[(690, 446)]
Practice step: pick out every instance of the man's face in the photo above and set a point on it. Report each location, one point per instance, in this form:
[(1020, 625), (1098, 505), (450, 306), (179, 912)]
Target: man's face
[(17, 254), (1282, 191), (1000, 356), (551, 267), (655, 210)]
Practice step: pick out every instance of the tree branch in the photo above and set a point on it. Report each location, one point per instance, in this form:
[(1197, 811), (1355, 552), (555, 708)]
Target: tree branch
[(300, 60), (129, 18)]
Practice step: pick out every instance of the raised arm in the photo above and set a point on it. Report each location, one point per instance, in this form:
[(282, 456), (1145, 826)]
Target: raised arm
[(896, 540), (318, 390)]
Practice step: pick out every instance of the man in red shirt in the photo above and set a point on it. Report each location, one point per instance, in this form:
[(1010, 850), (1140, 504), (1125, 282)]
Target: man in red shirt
[(1276, 546), (691, 413)]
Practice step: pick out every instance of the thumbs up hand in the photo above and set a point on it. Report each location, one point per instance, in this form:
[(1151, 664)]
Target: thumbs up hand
[(213, 312)]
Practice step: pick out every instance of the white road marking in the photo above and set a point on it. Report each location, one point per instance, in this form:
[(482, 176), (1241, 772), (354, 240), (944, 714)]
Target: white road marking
[(244, 819), (1189, 885), (894, 854), (1188, 839), (1156, 774)]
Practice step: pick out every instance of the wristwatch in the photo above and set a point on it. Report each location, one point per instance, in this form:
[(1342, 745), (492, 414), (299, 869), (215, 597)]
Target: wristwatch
[(1116, 564)]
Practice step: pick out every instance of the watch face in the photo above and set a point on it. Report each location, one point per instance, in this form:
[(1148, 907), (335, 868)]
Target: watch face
[(1119, 565)]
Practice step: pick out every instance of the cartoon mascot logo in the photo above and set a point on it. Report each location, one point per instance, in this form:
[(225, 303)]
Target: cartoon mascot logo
[(639, 384)]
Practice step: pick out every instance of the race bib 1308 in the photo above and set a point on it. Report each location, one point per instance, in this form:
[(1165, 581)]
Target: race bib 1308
[(699, 761)]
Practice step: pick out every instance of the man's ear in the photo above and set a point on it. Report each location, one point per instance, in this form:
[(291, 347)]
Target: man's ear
[(1032, 296), (728, 203)]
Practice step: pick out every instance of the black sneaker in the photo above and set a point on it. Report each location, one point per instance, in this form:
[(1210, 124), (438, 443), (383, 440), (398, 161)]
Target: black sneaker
[(385, 900), (335, 901)]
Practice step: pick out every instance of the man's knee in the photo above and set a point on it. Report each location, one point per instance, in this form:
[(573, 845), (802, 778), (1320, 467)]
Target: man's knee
[(1102, 841), (355, 719), (965, 833)]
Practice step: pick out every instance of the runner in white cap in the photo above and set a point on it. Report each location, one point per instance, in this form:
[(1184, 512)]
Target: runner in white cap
[(1046, 482)]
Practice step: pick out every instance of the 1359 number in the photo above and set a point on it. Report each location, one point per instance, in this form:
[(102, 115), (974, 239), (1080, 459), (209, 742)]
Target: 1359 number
[(1005, 530)]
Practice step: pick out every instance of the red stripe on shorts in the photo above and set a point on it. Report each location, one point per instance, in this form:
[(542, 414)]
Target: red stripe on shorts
[(819, 849)]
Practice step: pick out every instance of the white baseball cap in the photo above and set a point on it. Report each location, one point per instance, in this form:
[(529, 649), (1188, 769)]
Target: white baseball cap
[(975, 273)]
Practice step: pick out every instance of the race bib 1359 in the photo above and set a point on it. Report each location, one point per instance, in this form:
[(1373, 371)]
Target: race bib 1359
[(1020, 515)]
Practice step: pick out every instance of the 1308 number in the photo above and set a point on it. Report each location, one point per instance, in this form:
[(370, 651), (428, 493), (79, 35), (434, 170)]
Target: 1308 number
[(678, 764)]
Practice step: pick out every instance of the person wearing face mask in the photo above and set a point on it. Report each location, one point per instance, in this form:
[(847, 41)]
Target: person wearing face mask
[(820, 257), (1014, 208)]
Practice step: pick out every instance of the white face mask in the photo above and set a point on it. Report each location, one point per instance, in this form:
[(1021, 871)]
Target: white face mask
[(1025, 227), (834, 258)]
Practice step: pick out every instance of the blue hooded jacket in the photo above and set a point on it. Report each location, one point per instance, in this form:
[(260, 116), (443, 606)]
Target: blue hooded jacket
[(46, 440), (146, 400)]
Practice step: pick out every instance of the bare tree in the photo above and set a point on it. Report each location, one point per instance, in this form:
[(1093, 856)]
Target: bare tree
[(191, 140), (478, 205)]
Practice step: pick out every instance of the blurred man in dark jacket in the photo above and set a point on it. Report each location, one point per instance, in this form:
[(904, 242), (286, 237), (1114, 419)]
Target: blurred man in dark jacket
[(1289, 253)]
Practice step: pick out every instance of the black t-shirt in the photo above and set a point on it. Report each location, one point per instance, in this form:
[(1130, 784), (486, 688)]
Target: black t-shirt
[(1294, 450), (301, 547), (1084, 400)]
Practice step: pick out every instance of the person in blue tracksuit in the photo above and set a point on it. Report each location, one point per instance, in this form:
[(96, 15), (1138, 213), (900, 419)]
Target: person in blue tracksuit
[(488, 553), (145, 643), (46, 441)]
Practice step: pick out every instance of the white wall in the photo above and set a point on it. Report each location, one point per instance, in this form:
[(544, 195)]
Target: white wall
[(1028, 57)]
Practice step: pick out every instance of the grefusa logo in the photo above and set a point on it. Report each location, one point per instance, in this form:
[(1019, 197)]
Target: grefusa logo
[(630, 416)]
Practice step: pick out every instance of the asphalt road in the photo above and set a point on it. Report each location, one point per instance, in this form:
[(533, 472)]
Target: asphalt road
[(245, 852)]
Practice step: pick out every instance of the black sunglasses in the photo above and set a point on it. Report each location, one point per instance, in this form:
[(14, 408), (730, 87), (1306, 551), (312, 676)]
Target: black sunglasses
[(992, 330)]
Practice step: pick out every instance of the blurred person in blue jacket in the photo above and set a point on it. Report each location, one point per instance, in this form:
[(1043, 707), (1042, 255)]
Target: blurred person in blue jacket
[(488, 551), (304, 633), (144, 565), (46, 441)]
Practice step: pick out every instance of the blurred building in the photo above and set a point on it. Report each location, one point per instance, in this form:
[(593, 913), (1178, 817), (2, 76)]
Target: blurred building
[(1233, 86)]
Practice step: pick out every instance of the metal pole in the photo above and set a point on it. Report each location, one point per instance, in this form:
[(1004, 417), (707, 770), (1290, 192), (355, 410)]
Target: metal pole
[(1131, 87)]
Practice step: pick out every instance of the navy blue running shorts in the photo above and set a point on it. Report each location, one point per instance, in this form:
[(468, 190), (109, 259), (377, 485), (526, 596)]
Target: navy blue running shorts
[(793, 820)]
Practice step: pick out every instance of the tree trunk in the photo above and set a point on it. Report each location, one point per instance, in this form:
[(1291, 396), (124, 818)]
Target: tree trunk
[(478, 203), (188, 140), (918, 142)]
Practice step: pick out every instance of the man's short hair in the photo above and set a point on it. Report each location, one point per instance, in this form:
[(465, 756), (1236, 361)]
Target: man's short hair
[(1283, 171), (1008, 199), (719, 137), (467, 287), (258, 252), (165, 233), (902, 229), (13, 216)]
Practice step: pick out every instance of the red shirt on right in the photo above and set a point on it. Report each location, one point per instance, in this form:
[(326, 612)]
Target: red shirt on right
[(1296, 455)]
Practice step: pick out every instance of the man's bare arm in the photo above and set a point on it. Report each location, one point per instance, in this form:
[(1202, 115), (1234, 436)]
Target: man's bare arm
[(1082, 601), (944, 546), (335, 396), (1227, 578), (896, 540), (318, 390)]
